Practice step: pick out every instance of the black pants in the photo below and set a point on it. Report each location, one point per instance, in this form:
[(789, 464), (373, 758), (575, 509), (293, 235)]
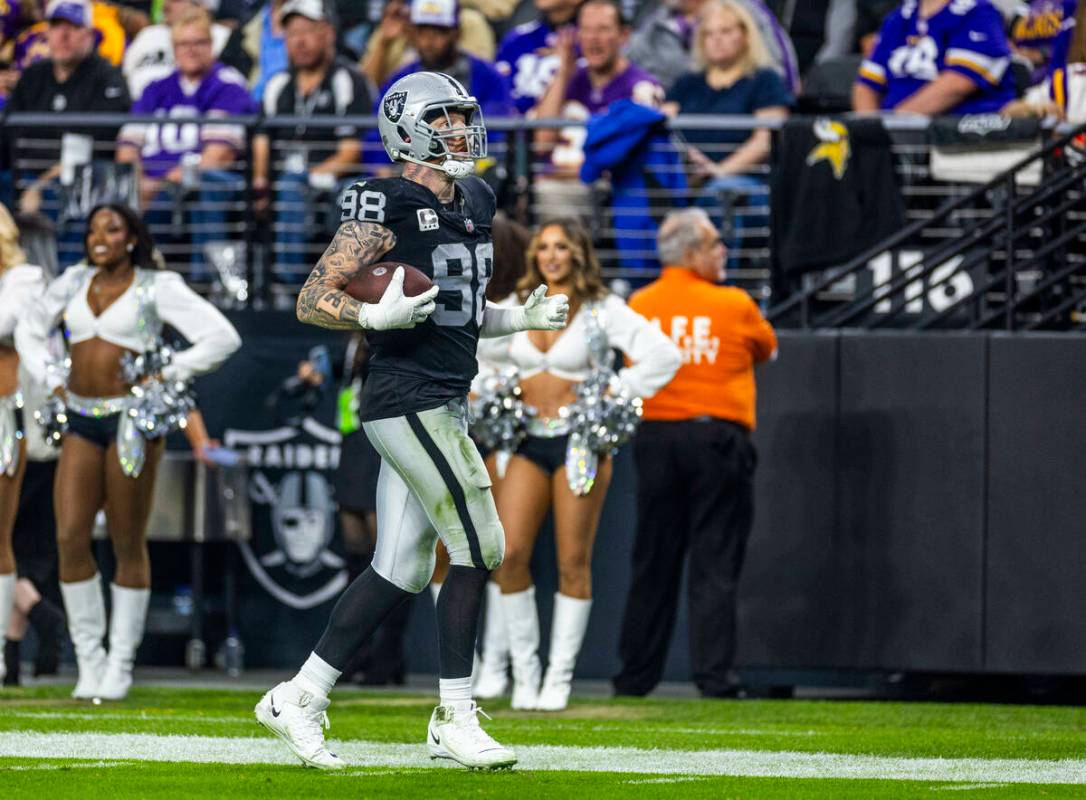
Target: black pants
[(695, 493)]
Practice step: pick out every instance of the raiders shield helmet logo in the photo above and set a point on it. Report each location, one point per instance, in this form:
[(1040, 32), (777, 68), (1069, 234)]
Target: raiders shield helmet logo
[(394, 105)]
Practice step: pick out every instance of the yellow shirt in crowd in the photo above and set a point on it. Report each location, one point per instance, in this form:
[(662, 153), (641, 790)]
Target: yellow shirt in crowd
[(721, 334)]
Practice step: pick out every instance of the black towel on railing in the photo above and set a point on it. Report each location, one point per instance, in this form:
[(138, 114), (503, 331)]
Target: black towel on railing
[(834, 192)]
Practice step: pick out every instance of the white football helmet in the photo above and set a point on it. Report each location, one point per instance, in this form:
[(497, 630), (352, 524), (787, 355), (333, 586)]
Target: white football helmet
[(404, 121)]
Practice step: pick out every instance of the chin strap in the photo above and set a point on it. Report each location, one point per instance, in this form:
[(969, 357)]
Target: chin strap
[(455, 168)]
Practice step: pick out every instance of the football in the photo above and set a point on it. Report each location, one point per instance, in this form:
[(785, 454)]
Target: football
[(369, 285)]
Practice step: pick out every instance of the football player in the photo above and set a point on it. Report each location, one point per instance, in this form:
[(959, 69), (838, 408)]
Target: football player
[(432, 483)]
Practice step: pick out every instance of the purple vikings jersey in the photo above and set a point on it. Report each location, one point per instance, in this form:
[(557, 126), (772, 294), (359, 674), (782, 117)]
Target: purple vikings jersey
[(1046, 28), (634, 84), (30, 46), (583, 101), (9, 19), (966, 37), (222, 93), (526, 59)]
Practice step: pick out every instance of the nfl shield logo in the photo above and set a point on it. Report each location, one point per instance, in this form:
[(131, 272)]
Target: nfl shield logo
[(394, 104), (469, 225)]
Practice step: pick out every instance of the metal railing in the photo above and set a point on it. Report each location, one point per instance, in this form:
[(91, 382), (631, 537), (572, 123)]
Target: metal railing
[(247, 249), (999, 256)]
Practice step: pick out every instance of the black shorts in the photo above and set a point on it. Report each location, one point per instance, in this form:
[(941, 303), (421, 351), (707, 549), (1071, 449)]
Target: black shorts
[(355, 481), (101, 431), (549, 454), (34, 537)]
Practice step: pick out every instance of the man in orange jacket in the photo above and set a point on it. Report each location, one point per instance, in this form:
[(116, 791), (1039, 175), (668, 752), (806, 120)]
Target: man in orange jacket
[(695, 462)]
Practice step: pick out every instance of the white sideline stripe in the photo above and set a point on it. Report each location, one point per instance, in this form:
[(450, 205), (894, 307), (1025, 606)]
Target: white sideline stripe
[(968, 787), (743, 763), (37, 767)]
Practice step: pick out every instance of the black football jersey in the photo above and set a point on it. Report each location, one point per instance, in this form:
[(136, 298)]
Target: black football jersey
[(432, 363)]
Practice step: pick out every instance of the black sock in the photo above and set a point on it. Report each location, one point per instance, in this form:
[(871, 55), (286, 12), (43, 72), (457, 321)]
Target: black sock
[(360, 609), (11, 662), (458, 619), (48, 621)]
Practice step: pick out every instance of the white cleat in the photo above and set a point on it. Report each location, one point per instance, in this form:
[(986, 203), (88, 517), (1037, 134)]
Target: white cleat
[(457, 735), (299, 719)]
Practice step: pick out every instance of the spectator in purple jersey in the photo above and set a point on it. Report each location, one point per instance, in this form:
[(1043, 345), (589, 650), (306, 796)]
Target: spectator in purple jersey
[(938, 57), (1041, 33), (579, 90), (186, 155), (527, 56), (604, 76)]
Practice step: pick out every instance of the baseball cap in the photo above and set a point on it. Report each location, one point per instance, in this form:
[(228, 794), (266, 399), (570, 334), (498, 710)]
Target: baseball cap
[(439, 13), (77, 12), (315, 10)]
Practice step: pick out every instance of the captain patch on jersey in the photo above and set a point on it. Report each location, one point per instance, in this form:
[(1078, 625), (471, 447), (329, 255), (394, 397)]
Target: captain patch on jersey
[(965, 36)]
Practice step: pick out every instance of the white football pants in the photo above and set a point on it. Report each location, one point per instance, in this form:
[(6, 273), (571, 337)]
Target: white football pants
[(433, 484)]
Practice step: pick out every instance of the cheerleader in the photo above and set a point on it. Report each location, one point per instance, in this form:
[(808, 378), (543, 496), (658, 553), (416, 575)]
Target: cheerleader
[(20, 286), (551, 364), (112, 305)]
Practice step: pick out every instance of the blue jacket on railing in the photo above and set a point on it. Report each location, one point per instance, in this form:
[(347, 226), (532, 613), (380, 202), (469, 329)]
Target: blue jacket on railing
[(631, 143)]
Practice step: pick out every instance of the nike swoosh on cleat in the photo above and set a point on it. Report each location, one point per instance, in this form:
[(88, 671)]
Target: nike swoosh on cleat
[(434, 737), (271, 702)]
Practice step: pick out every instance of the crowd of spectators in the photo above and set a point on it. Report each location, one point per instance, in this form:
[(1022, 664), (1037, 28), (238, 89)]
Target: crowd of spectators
[(570, 59)]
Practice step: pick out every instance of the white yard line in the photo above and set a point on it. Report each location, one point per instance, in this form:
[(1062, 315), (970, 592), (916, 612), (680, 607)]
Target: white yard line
[(137, 715), (749, 763)]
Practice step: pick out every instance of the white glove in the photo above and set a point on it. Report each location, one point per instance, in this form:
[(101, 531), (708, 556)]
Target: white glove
[(395, 311), (542, 313)]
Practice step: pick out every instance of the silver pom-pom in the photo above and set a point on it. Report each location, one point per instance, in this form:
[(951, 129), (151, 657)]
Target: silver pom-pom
[(606, 414), (53, 419), (155, 408), (160, 407), (604, 417), (500, 413)]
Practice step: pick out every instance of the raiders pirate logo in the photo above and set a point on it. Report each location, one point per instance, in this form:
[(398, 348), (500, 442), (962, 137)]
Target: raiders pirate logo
[(394, 105), (291, 553)]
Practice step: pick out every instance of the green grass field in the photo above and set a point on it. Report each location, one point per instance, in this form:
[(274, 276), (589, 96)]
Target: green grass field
[(195, 743)]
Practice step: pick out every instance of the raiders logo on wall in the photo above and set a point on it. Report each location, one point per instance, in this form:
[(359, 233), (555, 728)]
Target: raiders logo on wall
[(294, 511)]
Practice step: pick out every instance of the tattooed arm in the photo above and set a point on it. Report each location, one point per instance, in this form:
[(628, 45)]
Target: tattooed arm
[(322, 300)]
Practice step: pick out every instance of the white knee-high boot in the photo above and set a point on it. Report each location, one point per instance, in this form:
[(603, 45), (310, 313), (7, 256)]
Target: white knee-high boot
[(567, 633), (126, 622), (492, 677), (86, 609), (7, 601), (522, 626)]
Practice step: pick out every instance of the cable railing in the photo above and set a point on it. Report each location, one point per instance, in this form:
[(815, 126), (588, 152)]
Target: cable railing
[(1016, 264), (246, 248)]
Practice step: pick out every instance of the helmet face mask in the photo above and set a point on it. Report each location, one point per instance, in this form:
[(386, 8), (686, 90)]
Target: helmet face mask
[(407, 117), (443, 139)]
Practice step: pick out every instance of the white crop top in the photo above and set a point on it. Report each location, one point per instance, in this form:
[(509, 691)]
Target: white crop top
[(20, 288), (655, 358), (212, 336)]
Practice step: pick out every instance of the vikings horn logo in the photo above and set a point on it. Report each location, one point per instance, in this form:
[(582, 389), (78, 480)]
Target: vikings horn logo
[(834, 146), (394, 105)]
